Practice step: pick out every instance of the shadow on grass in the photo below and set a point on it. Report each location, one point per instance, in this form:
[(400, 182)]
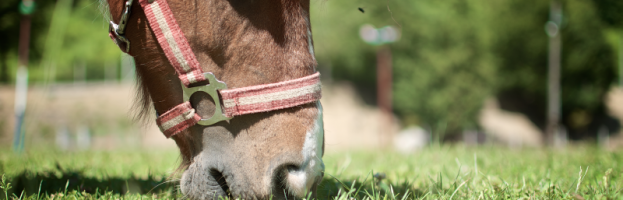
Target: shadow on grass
[(49, 183)]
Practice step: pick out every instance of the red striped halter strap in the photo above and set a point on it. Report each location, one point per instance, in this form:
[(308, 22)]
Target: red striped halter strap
[(233, 102)]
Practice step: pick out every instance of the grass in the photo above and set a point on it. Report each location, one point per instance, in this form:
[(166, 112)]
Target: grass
[(446, 172), (458, 172)]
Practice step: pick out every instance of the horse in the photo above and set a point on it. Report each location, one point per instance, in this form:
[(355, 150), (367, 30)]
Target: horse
[(247, 47)]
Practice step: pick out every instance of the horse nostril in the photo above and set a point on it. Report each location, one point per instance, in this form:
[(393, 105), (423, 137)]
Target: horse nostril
[(290, 168), (220, 179), (280, 183)]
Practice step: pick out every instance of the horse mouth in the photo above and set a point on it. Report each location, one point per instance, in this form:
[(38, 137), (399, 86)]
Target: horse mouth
[(287, 181), (221, 181)]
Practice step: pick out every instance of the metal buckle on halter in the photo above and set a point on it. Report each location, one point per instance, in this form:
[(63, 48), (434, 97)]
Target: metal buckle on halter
[(119, 29), (211, 89)]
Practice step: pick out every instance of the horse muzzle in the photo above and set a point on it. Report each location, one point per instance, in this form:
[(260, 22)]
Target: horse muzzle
[(283, 179), (278, 156)]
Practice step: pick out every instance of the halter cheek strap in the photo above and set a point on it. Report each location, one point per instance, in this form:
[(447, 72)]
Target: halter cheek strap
[(239, 101), (172, 41)]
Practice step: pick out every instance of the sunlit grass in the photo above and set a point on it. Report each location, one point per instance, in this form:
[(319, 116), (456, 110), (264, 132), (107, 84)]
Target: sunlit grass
[(447, 172), (476, 173)]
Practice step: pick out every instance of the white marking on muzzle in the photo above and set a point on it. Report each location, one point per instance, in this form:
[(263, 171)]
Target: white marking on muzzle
[(310, 43), (299, 181)]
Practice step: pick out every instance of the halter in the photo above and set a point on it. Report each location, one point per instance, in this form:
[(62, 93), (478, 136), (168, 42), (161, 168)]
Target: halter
[(232, 102)]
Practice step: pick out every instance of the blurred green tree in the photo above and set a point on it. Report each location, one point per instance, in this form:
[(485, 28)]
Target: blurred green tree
[(443, 64), (85, 41), (588, 67), (9, 32), (454, 54), (610, 11)]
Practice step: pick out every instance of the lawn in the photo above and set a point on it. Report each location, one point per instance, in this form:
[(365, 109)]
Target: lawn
[(446, 172)]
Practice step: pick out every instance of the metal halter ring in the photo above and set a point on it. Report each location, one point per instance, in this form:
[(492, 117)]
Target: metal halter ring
[(211, 89), (119, 29)]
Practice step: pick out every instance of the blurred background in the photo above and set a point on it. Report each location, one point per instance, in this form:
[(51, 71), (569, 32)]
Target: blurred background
[(396, 74)]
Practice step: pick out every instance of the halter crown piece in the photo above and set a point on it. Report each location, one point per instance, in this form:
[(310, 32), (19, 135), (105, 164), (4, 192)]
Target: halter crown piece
[(233, 102)]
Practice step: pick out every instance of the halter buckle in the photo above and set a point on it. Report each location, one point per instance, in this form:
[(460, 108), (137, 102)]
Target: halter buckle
[(117, 31), (119, 39), (212, 90)]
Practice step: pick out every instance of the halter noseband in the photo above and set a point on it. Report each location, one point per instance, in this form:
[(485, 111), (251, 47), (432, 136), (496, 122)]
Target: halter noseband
[(238, 101)]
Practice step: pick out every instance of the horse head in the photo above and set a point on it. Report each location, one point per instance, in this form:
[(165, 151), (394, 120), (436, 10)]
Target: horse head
[(243, 43)]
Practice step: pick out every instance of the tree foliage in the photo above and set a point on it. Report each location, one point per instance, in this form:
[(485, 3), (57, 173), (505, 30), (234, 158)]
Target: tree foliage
[(85, 40), (610, 11), (9, 32), (454, 54)]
